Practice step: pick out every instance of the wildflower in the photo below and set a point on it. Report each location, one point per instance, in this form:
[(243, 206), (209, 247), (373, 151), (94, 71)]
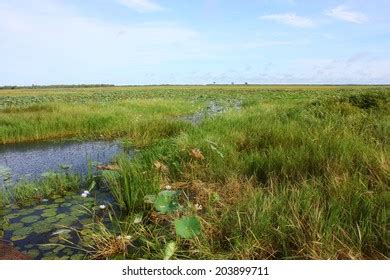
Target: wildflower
[(168, 187), (85, 194), (102, 207)]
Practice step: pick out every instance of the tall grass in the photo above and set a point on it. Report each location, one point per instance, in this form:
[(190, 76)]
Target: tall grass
[(25, 192), (318, 173), (297, 173)]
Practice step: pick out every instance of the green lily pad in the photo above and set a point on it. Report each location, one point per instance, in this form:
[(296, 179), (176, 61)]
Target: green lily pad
[(41, 229), (59, 200), (49, 213), (50, 220), (33, 253), (166, 202), (77, 257), (18, 237), (66, 222), (41, 207), (22, 231), (13, 226), (66, 204), (77, 213), (61, 216), (187, 227), (25, 212), (12, 216), (29, 219)]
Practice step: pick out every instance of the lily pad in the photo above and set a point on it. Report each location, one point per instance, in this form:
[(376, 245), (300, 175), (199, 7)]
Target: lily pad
[(51, 220), (59, 200), (25, 212), (29, 219), (187, 227), (18, 237), (22, 231), (12, 216), (77, 257), (49, 213), (166, 202), (13, 226), (41, 207), (41, 227), (33, 253)]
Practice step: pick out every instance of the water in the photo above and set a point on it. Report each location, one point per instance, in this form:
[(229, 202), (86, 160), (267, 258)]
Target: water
[(30, 229), (213, 109), (31, 160), (40, 231)]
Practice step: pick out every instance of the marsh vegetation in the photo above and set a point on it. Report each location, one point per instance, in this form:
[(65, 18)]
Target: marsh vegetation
[(280, 172)]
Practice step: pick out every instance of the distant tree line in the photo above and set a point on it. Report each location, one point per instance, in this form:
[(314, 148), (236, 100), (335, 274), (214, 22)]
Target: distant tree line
[(57, 86)]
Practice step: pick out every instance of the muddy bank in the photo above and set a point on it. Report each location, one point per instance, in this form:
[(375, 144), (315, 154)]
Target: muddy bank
[(7, 252)]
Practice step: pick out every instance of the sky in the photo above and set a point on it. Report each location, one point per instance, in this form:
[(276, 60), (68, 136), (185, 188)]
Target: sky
[(138, 42)]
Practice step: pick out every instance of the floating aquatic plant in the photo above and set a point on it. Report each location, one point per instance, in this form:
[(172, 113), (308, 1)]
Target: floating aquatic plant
[(29, 219)]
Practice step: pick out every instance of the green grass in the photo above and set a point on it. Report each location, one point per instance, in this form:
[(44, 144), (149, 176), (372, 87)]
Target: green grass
[(28, 192), (295, 173)]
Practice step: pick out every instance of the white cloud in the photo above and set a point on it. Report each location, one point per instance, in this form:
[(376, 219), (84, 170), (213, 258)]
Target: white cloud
[(290, 19), (142, 6), (345, 14)]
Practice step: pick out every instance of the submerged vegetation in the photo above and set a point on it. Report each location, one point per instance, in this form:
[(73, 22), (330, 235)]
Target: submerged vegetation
[(292, 173)]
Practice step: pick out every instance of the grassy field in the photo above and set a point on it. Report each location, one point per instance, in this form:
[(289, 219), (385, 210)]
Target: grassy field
[(293, 172)]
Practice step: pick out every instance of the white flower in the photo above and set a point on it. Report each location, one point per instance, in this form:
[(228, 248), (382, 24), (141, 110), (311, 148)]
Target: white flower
[(198, 207), (168, 187), (102, 206), (85, 194)]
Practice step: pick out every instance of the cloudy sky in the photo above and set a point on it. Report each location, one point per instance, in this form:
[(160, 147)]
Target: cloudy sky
[(194, 41)]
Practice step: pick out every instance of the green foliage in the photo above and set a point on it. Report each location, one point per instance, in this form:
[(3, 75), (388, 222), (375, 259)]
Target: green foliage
[(170, 250), (166, 202), (130, 184), (187, 227), (50, 185), (295, 173)]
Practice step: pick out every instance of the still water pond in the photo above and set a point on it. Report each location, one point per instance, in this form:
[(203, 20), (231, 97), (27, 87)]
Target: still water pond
[(31, 160), (30, 229)]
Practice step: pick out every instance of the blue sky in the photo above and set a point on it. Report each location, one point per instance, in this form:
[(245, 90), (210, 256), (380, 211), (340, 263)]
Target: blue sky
[(194, 41)]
